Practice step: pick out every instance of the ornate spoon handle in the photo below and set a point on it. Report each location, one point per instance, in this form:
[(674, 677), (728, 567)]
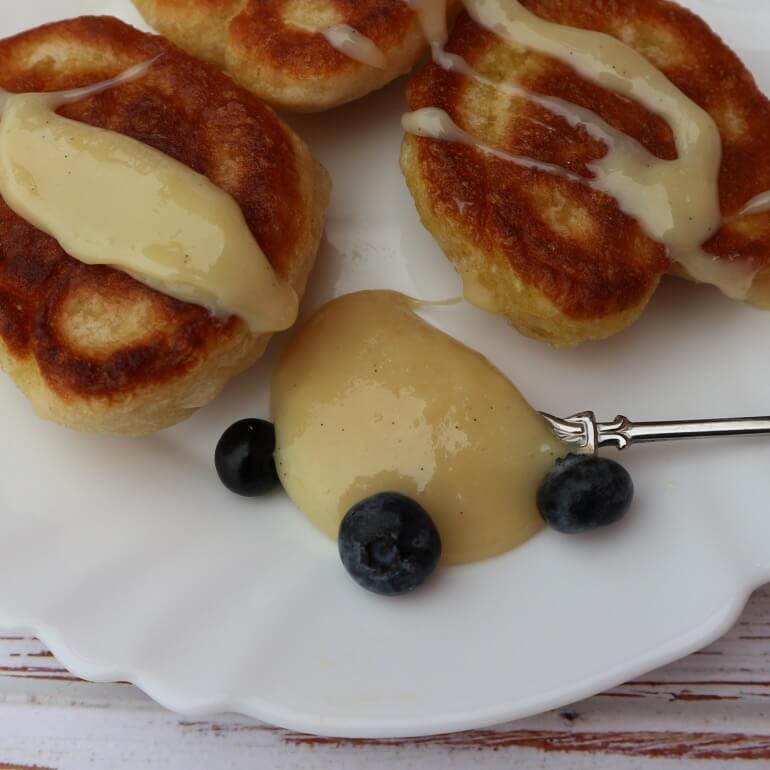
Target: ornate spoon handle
[(588, 435)]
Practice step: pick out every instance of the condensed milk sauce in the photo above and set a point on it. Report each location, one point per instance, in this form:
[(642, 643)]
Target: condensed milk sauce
[(433, 20), (110, 200), (349, 41), (757, 205), (676, 202), (352, 43), (357, 46), (370, 398)]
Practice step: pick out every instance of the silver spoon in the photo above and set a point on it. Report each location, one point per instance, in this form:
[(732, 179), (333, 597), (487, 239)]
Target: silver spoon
[(587, 434)]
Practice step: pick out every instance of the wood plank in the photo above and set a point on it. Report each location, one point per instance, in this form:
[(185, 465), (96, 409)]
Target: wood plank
[(709, 709), (69, 738)]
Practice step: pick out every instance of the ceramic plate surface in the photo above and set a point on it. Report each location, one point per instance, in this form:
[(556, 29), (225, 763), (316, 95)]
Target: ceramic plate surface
[(131, 562)]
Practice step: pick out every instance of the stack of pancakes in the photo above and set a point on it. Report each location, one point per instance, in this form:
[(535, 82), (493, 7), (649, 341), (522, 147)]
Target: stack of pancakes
[(96, 350)]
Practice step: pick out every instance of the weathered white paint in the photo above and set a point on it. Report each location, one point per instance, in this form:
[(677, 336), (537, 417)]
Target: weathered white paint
[(715, 705)]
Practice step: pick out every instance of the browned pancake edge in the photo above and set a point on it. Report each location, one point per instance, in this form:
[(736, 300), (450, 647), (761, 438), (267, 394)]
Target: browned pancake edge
[(559, 259), (92, 347)]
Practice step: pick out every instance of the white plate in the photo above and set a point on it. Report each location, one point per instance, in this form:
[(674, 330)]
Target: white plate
[(131, 562)]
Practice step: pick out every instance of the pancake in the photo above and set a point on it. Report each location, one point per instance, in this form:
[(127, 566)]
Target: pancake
[(557, 258), (271, 48), (91, 347)]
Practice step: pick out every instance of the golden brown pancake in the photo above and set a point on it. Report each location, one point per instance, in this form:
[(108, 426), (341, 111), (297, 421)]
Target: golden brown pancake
[(559, 259), (91, 347), (288, 66)]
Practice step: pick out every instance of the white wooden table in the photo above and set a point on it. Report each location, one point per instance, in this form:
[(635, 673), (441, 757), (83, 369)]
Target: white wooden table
[(711, 710)]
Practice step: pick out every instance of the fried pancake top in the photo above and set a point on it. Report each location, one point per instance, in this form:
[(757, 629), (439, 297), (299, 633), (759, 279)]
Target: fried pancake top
[(185, 109), (263, 32), (570, 242)]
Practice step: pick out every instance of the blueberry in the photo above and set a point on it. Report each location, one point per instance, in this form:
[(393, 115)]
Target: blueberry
[(389, 544), (244, 458), (584, 492)]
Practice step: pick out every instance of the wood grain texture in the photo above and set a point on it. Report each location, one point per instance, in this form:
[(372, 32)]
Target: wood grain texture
[(710, 710)]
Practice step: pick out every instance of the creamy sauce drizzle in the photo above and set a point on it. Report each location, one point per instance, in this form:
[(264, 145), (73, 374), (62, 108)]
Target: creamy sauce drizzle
[(757, 205), (434, 123), (110, 200), (357, 46), (349, 41), (675, 202), (352, 43), (370, 398), (433, 20), (432, 15)]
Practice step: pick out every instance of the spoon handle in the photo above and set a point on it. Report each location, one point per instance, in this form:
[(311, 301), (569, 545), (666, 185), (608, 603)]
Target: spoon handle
[(588, 435)]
